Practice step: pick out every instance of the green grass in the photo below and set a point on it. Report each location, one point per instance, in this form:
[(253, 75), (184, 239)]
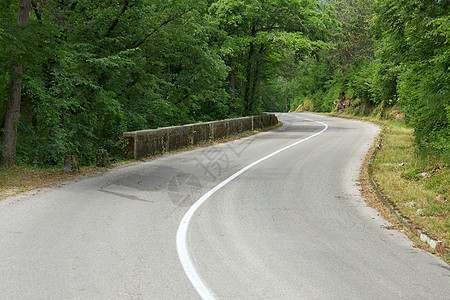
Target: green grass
[(419, 185)]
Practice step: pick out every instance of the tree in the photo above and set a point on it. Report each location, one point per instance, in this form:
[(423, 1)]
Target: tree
[(352, 41), (413, 38), (111, 66), (9, 138), (96, 69), (257, 35)]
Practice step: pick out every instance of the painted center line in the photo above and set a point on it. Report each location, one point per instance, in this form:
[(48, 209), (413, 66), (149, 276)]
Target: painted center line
[(182, 248)]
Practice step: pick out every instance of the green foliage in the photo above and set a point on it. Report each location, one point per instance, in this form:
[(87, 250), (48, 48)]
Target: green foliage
[(413, 174), (4, 80), (259, 39), (314, 81), (274, 92), (94, 70), (332, 89), (341, 72), (386, 53), (413, 39), (352, 41)]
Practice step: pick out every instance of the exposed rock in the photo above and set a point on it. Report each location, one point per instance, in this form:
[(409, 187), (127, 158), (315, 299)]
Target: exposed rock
[(71, 164)]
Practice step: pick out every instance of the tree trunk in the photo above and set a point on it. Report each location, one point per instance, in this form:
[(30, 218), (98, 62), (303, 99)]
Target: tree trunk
[(233, 72), (14, 96), (252, 91), (233, 77), (248, 79), (249, 71), (285, 96)]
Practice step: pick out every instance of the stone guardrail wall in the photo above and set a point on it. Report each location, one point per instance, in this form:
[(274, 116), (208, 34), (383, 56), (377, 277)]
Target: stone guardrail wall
[(146, 143)]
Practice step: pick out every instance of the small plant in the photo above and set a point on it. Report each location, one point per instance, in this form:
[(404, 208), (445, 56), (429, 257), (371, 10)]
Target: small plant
[(412, 175)]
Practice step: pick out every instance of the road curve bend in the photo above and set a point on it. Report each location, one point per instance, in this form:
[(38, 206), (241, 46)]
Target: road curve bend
[(277, 215)]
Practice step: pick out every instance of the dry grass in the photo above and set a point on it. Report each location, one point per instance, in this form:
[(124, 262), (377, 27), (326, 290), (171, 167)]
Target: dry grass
[(17, 180), (419, 187)]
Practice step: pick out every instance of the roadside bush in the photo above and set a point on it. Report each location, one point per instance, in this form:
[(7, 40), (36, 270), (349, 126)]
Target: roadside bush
[(308, 105)]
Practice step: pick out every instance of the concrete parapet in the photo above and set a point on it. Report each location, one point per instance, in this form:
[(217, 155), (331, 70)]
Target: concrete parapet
[(219, 129), (266, 121), (177, 137), (154, 141), (199, 133), (234, 126), (257, 122), (149, 142), (273, 120), (246, 124)]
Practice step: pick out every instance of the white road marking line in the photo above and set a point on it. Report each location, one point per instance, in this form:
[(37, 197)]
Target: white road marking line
[(182, 248)]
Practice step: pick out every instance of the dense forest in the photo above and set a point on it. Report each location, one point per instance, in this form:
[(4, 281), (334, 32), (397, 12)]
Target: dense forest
[(75, 74)]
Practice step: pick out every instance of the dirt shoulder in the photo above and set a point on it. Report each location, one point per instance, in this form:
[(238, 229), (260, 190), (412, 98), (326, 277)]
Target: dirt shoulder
[(415, 187)]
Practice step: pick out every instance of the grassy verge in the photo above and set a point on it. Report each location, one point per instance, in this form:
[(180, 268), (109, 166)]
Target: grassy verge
[(418, 185), (16, 180)]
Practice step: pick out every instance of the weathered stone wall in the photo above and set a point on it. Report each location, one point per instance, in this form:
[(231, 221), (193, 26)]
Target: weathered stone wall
[(247, 123), (199, 133), (219, 129), (234, 126), (266, 121), (146, 143), (177, 137), (257, 122)]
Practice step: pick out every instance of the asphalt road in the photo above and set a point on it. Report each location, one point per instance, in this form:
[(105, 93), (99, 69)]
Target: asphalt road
[(280, 217)]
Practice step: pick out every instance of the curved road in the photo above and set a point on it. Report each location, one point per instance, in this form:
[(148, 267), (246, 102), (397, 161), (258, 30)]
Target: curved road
[(292, 226)]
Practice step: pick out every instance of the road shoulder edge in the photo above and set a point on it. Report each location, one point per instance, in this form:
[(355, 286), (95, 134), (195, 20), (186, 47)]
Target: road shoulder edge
[(435, 245)]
